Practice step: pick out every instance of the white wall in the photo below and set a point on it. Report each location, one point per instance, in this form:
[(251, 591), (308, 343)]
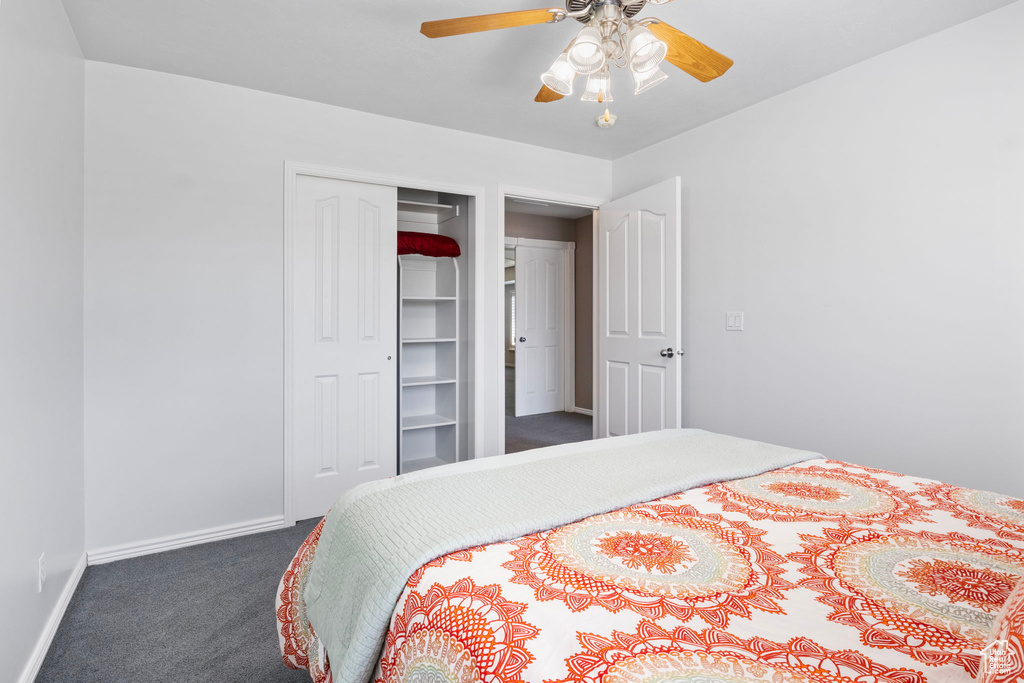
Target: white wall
[(871, 227), (868, 224), (41, 204), (184, 301)]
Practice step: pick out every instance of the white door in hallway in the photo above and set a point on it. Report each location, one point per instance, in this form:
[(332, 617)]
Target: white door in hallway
[(343, 339), (540, 323), (638, 319)]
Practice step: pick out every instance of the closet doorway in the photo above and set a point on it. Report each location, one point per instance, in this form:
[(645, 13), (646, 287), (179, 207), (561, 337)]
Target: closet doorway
[(378, 374), (548, 323)]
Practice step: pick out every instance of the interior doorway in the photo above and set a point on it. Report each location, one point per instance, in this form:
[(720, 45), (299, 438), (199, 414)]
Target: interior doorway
[(548, 281)]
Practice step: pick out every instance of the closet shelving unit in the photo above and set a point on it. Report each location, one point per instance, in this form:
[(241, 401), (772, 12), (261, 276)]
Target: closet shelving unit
[(428, 323)]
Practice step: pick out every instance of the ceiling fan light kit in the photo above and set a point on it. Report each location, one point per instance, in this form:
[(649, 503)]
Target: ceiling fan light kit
[(648, 79), (560, 76), (587, 54), (599, 87), (611, 36), (645, 51)]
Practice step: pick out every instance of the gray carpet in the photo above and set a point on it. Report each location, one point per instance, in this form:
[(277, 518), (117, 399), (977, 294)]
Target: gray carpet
[(537, 431), (546, 429), (199, 614), (205, 614)]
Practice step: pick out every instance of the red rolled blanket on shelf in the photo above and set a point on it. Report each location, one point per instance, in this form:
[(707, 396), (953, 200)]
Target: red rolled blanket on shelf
[(427, 244)]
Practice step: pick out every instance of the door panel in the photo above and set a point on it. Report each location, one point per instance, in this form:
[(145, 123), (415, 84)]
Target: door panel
[(616, 298), (540, 320), (343, 330), (371, 265), (617, 423), (651, 299), (639, 262), (325, 418), (369, 423), (652, 397)]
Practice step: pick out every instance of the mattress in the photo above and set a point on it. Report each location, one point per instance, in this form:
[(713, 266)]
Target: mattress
[(819, 571)]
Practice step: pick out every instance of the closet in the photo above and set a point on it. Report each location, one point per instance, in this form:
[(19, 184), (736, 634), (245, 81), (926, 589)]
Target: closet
[(377, 362), (432, 336)]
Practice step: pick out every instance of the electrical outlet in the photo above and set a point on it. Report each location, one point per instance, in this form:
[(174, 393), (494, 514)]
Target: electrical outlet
[(42, 572)]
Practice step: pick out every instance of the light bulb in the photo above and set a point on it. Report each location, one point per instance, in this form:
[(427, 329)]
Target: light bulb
[(560, 76), (647, 80), (587, 53), (599, 87), (645, 51)]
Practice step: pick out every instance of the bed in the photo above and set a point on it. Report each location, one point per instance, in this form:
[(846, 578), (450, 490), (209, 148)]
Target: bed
[(812, 570)]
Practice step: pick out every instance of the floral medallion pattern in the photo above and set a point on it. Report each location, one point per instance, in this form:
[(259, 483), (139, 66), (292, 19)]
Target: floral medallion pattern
[(980, 509), (931, 596), (655, 654), (655, 560), (300, 648), (457, 634), (458, 556), (822, 572), (856, 469), (1002, 659), (824, 494)]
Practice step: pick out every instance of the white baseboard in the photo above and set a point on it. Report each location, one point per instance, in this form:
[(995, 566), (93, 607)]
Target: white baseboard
[(583, 411), (50, 628), (159, 545)]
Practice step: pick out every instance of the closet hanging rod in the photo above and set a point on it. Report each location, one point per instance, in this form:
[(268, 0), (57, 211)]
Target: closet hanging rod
[(426, 205)]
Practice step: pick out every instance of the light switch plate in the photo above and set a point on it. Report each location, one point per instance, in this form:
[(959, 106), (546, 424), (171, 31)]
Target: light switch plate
[(734, 321)]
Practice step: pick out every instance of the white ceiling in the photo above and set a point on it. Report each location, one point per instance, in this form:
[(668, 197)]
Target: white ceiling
[(370, 56)]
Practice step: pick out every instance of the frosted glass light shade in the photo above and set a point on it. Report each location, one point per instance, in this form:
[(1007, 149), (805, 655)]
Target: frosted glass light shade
[(645, 51), (647, 80), (599, 87), (587, 54), (560, 76)]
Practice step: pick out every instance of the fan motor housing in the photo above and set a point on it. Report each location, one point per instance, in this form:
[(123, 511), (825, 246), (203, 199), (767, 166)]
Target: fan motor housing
[(578, 5)]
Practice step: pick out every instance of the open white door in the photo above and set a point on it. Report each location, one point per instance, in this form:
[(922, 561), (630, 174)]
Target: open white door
[(539, 329), (638, 319), (343, 337)]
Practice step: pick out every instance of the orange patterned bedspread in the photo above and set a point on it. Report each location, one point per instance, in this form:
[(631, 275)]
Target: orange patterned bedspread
[(823, 571)]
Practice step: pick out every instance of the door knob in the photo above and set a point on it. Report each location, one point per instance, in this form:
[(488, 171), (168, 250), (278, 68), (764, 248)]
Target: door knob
[(522, 339), (667, 353)]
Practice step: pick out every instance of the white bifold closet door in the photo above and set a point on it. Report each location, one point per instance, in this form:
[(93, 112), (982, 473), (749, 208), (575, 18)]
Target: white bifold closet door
[(638, 318), (540, 319), (343, 332)]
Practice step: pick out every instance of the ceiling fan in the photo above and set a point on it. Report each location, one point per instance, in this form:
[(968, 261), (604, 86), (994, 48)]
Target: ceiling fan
[(612, 35)]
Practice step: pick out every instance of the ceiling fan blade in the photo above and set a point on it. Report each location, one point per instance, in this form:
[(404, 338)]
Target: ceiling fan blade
[(546, 94), (487, 22), (690, 55)]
